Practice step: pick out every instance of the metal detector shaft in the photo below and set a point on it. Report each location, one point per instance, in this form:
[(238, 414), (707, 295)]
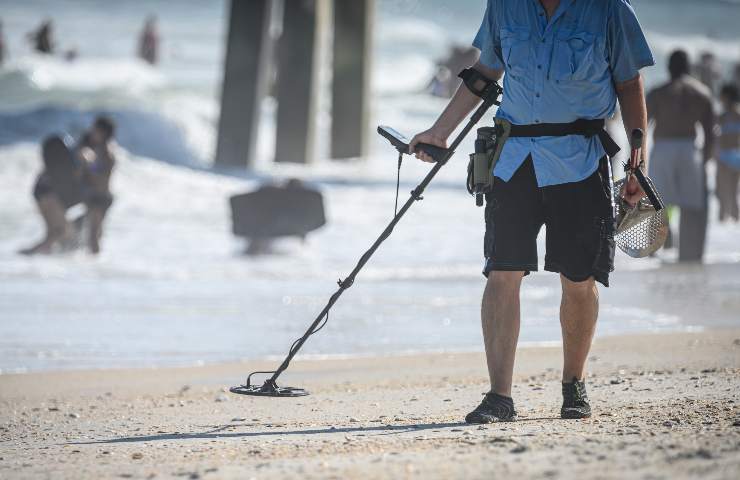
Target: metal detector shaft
[(489, 100)]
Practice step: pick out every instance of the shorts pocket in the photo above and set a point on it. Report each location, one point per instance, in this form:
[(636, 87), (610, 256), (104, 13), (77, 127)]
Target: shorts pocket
[(515, 49), (488, 242), (576, 58), (603, 238)]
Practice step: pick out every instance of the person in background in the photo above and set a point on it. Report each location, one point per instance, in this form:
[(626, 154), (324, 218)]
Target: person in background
[(2, 44), (728, 158), (149, 41), (50, 202), (98, 164), (708, 71), (71, 54), (42, 38), (445, 81), (677, 165)]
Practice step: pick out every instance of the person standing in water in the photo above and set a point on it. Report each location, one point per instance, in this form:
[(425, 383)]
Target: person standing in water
[(96, 173), (149, 42), (2, 44), (53, 200), (708, 71), (677, 165), (728, 157), (567, 63), (42, 38)]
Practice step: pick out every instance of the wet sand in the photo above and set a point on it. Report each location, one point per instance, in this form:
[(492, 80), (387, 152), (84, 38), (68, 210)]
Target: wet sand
[(665, 406)]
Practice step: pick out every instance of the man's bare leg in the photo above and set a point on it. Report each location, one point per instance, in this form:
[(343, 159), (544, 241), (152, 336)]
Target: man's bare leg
[(500, 316), (579, 309), (53, 212)]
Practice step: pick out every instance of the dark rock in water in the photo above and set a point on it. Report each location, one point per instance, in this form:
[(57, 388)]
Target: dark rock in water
[(292, 210)]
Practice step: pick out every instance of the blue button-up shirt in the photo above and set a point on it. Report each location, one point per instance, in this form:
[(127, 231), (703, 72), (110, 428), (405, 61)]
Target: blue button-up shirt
[(558, 71)]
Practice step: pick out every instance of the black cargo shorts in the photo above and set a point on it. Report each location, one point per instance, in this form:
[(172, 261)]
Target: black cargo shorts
[(579, 221)]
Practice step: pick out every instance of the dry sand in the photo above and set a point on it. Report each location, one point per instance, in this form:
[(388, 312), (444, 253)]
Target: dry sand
[(665, 406)]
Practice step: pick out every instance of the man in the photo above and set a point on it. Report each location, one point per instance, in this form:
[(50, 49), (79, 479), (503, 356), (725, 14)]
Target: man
[(564, 60), (97, 170), (677, 165)]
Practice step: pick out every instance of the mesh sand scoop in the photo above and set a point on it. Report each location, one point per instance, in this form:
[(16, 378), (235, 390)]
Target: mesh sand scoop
[(641, 230)]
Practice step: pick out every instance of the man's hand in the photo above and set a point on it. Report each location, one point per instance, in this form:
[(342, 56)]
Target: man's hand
[(632, 191), (433, 136)]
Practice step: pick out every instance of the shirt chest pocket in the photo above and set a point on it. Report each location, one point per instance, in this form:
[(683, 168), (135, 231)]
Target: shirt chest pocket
[(515, 49), (576, 57)]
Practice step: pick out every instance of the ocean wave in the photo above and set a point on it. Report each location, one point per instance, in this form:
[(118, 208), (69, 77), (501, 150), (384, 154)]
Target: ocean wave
[(142, 133), (33, 81), (43, 96)]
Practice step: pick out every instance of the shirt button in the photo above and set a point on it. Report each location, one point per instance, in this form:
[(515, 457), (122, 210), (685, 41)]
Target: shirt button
[(536, 121), (539, 67), (537, 95), (532, 140)]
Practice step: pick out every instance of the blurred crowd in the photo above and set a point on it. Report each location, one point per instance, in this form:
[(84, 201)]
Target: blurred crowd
[(696, 120), (42, 41)]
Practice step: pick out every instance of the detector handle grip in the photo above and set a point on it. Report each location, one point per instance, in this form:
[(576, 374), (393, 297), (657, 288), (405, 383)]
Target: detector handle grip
[(401, 144)]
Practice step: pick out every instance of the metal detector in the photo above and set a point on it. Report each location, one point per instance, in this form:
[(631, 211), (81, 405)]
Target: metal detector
[(489, 92)]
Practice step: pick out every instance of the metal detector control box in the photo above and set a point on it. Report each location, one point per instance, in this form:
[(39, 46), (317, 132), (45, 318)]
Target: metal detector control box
[(401, 143)]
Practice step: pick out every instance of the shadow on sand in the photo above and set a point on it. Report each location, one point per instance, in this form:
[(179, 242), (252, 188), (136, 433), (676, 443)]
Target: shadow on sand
[(218, 432)]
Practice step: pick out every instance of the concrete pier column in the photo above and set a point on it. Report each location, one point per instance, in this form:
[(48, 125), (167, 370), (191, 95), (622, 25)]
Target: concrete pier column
[(297, 79), (353, 23), (245, 82)]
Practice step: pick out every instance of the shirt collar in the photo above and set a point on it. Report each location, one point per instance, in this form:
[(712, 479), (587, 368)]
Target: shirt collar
[(564, 5)]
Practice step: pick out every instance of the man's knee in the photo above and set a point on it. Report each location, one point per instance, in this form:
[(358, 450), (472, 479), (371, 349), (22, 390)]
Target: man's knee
[(583, 290), (502, 281)]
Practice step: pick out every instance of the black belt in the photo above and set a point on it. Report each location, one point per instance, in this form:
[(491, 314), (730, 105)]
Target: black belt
[(586, 128)]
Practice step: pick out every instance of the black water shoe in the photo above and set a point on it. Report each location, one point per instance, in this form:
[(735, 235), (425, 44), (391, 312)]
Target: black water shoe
[(493, 408), (575, 400)]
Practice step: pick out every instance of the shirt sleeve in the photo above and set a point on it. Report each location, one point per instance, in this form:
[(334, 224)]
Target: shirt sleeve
[(488, 40), (628, 48)]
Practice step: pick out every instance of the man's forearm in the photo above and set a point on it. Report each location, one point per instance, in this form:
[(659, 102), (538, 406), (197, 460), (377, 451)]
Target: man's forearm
[(631, 97), (462, 103)]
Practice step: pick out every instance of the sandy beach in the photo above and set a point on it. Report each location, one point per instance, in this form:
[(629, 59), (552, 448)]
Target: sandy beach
[(665, 406)]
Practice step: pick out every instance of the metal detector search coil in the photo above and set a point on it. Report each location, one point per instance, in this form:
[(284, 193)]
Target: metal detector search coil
[(268, 389)]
